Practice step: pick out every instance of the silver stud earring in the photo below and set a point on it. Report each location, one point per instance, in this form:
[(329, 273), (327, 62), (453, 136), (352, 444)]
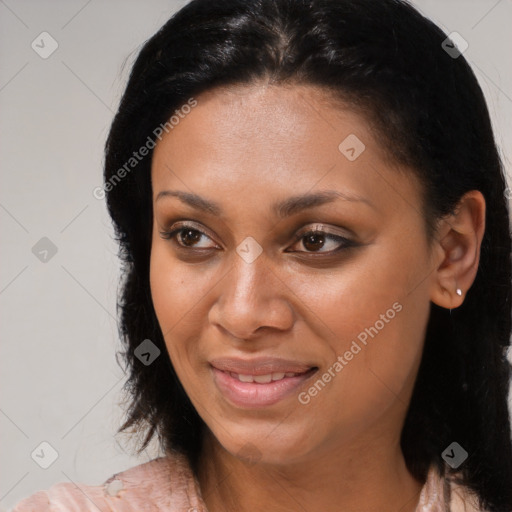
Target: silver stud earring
[(458, 291)]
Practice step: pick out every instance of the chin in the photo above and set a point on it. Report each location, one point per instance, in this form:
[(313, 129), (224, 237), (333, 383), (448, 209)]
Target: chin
[(254, 447)]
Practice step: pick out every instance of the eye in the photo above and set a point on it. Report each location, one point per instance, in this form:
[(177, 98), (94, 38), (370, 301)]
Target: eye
[(186, 236), (316, 240)]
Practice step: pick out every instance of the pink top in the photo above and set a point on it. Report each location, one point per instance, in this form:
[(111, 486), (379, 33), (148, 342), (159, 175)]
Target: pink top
[(167, 484)]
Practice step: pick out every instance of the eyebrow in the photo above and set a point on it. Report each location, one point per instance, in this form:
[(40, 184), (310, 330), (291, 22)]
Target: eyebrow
[(282, 209)]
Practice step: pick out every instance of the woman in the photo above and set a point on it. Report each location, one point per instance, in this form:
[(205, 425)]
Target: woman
[(312, 218)]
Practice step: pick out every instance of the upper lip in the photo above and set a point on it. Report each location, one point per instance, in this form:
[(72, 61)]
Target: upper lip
[(259, 366)]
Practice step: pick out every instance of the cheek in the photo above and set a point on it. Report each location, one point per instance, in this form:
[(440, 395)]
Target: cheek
[(179, 293), (377, 368), (178, 290), (376, 310)]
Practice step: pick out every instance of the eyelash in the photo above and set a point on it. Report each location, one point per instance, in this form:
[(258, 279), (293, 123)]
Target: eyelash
[(345, 242)]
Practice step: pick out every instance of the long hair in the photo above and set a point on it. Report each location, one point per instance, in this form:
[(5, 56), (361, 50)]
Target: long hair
[(390, 63)]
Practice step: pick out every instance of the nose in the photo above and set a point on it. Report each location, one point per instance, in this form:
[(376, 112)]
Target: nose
[(252, 300)]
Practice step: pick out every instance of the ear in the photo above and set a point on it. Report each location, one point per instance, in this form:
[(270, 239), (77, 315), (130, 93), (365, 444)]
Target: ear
[(456, 250)]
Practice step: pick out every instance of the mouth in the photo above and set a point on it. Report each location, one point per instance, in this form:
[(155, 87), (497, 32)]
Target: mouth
[(259, 383)]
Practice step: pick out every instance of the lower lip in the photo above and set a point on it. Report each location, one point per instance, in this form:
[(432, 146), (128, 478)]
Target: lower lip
[(253, 394)]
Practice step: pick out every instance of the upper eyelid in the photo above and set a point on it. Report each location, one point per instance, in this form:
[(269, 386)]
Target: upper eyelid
[(182, 224), (321, 228), (316, 227), (342, 239)]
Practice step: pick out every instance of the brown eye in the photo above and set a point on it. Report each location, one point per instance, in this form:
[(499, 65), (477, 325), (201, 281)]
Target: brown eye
[(316, 240), (187, 237)]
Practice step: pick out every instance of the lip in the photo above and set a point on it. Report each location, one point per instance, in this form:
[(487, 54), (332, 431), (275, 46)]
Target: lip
[(253, 395)]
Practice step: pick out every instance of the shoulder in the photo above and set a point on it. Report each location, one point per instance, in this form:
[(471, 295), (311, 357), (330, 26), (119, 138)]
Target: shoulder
[(439, 494), (462, 500), (165, 483)]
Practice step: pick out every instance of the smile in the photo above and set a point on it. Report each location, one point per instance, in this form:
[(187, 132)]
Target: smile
[(254, 385)]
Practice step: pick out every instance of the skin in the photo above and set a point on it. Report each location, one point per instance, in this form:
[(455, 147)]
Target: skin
[(245, 148)]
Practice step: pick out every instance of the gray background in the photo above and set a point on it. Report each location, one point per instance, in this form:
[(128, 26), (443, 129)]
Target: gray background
[(60, 382)]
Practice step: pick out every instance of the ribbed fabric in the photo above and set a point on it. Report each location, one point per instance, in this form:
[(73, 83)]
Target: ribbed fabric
[(167, 484)]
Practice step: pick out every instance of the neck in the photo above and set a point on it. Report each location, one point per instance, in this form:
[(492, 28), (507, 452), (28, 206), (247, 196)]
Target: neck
[(362, 476)]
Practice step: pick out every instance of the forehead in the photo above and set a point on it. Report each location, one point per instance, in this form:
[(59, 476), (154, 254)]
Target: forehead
[(270, 139), (264, 120)]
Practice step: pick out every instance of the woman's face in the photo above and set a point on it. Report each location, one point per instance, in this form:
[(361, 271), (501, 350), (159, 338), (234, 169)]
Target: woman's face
[(288, 343)]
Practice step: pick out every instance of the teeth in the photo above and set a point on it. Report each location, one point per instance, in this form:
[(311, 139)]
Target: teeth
[(245, 378), (262, 379)]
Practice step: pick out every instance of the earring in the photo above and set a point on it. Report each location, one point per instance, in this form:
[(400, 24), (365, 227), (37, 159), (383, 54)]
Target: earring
[(458, 291)]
